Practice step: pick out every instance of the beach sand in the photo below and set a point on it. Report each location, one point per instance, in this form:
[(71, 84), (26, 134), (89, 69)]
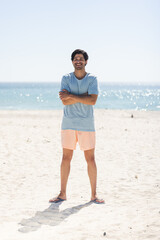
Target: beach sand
[(128, 162)]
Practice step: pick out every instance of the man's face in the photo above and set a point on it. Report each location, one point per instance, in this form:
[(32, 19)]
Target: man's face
[(79, 62)]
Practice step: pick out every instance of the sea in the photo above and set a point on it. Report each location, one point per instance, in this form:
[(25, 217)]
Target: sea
[(44, 96)]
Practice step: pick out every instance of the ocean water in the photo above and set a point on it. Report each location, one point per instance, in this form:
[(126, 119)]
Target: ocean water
[(44, 96)]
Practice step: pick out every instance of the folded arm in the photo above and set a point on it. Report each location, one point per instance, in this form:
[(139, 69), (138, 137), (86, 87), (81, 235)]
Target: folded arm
[(68, 99)]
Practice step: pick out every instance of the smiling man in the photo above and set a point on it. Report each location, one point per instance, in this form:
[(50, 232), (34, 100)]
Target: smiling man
[(79, 92)]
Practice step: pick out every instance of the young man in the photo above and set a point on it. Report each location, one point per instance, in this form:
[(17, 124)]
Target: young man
[(79, 92)]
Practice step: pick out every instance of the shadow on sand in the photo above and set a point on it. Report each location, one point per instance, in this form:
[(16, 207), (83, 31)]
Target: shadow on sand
[(50, 216)]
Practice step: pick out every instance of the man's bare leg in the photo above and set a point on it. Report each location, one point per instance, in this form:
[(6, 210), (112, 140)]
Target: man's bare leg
[(65, 170), (92, 173)]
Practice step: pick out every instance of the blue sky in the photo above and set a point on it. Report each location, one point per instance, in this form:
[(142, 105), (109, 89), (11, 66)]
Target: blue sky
[(122, 38)]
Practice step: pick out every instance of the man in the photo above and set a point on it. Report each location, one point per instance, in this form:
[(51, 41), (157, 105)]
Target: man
[(79, 92)]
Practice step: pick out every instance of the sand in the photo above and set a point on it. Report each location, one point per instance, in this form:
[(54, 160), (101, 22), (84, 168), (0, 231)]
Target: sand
[(128, 162)]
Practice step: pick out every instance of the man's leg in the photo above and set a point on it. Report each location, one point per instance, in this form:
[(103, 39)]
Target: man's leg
[(65, 170), (92, 173)]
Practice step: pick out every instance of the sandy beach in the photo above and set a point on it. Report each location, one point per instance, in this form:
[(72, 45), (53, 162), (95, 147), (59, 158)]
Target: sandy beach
[(128, 162)]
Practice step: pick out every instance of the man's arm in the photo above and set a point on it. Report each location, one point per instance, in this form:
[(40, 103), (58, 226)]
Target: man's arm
[(64, 96), (68, 98), (68, 101), (85, 99)]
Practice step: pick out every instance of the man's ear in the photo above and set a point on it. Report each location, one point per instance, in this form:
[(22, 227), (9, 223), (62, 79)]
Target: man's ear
[(86, 63)]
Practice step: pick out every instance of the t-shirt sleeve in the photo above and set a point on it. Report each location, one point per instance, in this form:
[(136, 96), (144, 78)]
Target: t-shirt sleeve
[(93, 87), (64, 84)]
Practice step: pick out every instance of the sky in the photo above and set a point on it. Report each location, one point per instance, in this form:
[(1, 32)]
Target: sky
[(121, 37)]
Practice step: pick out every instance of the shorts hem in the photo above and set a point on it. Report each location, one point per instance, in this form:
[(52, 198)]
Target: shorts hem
[(69, 148), (85, 149)]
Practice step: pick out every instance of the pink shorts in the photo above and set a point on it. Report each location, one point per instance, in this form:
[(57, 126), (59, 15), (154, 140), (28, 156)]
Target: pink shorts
[(69, 139)]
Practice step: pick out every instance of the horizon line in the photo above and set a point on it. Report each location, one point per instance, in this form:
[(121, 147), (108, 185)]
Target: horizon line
[(100, 82)]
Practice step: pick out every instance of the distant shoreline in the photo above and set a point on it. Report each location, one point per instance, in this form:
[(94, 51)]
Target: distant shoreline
[(44, 96), (150, 84)]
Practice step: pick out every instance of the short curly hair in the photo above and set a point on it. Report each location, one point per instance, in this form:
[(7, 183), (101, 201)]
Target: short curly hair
[(79, 51)]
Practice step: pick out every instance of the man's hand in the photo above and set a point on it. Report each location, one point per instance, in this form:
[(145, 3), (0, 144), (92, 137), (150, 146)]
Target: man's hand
[(64, 95)]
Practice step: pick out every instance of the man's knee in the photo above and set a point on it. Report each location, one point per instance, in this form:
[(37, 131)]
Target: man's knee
[(67, 155), (66, 158), (89, 156), (90, 159)]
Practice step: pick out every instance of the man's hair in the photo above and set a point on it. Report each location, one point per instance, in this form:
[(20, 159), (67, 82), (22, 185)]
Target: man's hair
[(79, 51)]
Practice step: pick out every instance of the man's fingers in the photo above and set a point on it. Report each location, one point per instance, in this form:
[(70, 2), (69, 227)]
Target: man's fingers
[(64, 90), (63, 95)]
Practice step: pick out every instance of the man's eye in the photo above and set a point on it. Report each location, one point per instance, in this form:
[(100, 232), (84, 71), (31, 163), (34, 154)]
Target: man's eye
[(81, 59)]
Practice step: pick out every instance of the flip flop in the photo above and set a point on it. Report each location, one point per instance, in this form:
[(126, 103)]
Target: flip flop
[(56, 200), (98, 201)]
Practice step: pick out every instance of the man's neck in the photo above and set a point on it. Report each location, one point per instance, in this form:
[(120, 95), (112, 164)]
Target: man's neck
[(80, 74)]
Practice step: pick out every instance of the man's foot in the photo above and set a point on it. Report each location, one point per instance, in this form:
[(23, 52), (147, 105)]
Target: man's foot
[(98, 201), (57, 199)]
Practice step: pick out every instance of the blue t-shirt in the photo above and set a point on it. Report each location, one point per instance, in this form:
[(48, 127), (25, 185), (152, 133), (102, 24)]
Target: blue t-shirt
[(79, 116)]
